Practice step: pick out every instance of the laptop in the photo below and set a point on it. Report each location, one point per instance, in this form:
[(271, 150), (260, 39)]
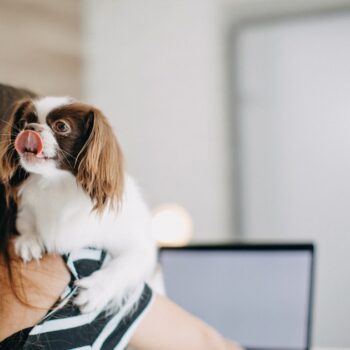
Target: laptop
[(257, 294)]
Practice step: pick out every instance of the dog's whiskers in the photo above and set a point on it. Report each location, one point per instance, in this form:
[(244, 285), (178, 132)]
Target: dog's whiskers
[(10, 124), (67, 153), (5, 141), (61, 152), (8, 145)]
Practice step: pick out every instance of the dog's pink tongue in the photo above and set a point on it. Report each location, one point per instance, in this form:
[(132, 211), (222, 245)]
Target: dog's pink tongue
[(29, 141)]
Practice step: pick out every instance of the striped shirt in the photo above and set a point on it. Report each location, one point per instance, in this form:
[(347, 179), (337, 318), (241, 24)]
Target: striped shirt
[(64, 327)]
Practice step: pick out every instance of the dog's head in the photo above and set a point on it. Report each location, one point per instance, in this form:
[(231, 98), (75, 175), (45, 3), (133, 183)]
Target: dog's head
[(53, 134)]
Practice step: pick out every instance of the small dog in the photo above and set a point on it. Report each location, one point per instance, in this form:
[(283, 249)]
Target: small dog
[(75, 193)]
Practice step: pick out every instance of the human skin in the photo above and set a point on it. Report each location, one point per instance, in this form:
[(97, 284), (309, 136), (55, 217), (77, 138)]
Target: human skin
[(35, 288), (39, 284)]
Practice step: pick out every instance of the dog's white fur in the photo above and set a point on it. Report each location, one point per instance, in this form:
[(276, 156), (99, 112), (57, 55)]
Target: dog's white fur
[(55, 215)]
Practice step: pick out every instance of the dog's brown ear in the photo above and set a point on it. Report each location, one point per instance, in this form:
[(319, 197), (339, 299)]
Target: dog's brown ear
[(11, 175), (101, 165), (9, 160)]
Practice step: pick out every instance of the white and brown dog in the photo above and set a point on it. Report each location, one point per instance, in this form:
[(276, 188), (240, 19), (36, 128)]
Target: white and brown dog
[(76, 194)]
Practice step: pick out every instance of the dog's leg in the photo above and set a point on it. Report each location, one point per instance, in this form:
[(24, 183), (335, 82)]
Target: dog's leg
[(28, 244), (111, 285)]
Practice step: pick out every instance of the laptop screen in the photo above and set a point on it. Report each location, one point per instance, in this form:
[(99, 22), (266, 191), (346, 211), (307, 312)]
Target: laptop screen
[(257, 295)]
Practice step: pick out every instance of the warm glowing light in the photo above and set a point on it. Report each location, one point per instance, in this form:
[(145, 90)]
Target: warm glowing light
[(172, 225)]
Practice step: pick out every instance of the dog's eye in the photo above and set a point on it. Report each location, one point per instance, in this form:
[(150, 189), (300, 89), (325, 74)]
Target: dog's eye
[(61, 127)]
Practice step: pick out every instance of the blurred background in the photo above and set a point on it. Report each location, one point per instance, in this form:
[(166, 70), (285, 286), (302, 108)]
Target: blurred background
[(234, 115)]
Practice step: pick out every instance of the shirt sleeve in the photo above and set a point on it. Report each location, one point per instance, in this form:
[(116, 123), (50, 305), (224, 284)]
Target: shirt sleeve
[(66, 328)]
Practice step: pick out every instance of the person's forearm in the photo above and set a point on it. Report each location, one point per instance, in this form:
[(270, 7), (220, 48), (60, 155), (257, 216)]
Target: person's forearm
[(232, 346), (168, 327), (212, 340)]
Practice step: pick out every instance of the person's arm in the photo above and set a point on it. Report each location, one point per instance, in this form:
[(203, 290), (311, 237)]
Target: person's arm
[(168, 327), (165, 326), (35, 288)]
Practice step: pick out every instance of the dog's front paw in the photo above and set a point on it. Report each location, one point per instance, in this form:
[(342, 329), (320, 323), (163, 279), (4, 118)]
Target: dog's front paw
[(28, 247), (96, 294)]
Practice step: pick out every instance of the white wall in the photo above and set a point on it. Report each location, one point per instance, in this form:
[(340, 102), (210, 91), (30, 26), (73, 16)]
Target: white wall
[(295, 150), (158, 70), (155, 68)]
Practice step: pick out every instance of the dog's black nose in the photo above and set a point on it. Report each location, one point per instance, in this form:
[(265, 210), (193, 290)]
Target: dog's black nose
[(33, 127)]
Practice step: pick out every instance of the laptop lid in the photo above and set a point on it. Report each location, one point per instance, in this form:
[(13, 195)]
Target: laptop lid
[(257, 294)]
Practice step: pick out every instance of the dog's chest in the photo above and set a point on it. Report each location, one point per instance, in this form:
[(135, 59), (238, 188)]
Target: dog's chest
[(60, 210)]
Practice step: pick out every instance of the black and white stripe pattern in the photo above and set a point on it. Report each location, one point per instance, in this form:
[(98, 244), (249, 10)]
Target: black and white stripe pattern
[(66, 328)]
